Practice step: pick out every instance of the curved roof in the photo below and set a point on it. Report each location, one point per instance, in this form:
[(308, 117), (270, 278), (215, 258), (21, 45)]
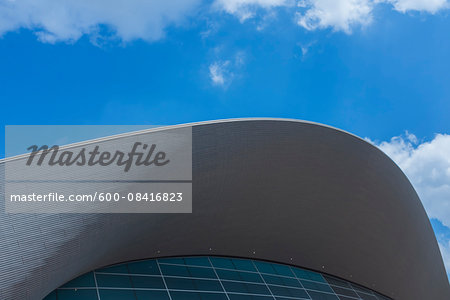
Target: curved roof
[(286, 191)]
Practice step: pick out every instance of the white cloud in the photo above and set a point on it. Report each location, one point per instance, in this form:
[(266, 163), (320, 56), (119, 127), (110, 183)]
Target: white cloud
[(219, 73), (338, 14), (223, 72), (427, 165), (341, 15), (245, 9), (431, 6), (70, 19)]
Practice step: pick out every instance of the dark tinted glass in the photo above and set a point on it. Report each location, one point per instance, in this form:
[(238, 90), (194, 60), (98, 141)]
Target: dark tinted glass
[(208, 278)]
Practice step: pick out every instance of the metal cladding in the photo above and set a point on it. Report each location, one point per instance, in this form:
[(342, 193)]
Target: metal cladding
[(286, 191)]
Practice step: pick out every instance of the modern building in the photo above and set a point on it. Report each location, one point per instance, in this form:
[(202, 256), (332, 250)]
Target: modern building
[(282, 209)]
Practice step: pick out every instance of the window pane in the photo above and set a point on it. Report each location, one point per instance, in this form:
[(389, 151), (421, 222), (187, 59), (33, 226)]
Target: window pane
[(264, 267), (144, 267), (197, 261), (113, 281), (244, 264), (285, 281), (51, 296), (77, 294), (305, 274), (208, 285), (338, 282), (201, 272), (152, 295), (344, 292), (180, 284), (219, 262), (147, 282), (249, 297), (86, 280), (283, 270), (316, 286), (170, 270), (197, 296), (117, 295), (322, 296), (177, 261), (288, 292), (122, 268)]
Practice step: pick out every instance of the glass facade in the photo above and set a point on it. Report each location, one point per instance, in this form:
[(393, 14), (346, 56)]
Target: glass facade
[(208, 278)]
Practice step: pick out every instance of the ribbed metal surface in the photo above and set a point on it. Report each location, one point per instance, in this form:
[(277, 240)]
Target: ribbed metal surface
[(290, 192)]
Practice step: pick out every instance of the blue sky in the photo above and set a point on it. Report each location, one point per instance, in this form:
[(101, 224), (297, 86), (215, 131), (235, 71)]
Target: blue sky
[(378, 69)]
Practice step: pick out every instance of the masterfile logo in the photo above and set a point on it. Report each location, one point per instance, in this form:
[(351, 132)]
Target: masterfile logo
[(147, 156), (147, 171)]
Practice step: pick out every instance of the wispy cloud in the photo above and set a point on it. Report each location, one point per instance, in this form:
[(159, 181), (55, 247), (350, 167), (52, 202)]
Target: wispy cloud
[(305, 48), (246, 9), (430, 6), (219, 73), (223, 72)]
